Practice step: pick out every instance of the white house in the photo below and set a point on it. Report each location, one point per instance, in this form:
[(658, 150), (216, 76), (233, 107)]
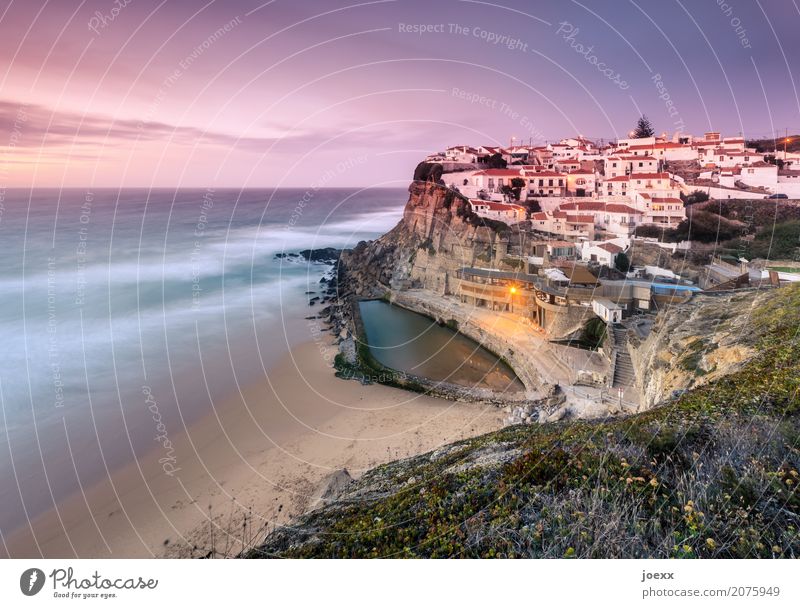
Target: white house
[(604, 253), (581, 182), (505, 212), (662, 210), (665, 150), (615, 166), (461, 154), (760, 174), (613, 217), (546, 183), (727, 158), (494, 180), (607, 310), (566, 225)]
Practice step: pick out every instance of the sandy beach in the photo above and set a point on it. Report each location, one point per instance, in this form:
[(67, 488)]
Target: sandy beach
[(259, 459)]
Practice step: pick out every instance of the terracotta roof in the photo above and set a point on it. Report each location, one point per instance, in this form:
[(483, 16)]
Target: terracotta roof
[(648, 175), (668, 199), (500, 172), (610, 247), (619, 208), (660, 144), (607, 207), (579, 274), (546, 174), (580, 219)]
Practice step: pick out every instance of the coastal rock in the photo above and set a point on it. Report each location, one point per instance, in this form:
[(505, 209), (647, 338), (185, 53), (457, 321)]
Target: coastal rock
[(330, 488), (326, 255)]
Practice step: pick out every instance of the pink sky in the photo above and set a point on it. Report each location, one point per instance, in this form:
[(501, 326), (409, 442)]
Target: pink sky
[(284, 93)]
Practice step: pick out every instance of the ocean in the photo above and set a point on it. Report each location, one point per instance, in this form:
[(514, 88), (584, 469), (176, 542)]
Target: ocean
[(121, 307)]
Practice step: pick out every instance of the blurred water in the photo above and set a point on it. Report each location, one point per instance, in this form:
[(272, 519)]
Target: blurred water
[(406, 341), (107, 292)]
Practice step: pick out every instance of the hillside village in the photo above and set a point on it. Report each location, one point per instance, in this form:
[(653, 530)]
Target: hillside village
[(558, 251), (590, 202), (621, 185)]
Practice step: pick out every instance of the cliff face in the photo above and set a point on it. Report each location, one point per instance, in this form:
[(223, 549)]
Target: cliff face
[(695, 343), (438, 233)]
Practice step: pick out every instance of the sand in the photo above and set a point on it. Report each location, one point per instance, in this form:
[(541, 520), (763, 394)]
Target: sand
[(260, 458)]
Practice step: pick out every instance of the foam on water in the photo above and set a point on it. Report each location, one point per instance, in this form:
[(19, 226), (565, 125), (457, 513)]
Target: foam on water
[(103, 293)]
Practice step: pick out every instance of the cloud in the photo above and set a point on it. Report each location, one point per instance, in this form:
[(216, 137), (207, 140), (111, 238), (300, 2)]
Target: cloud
[(36, 126)]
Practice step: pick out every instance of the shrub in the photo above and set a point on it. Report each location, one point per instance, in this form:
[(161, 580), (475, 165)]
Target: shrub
[(621, 262)]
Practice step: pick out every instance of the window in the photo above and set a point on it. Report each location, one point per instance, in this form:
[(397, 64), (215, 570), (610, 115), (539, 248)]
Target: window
[(550, 182), (580, 181), (641, 164)]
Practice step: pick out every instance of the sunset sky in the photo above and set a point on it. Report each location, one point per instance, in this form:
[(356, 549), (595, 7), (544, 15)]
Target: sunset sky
[(295, 93)]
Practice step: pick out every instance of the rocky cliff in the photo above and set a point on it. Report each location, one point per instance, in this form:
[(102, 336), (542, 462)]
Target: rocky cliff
[(438, 233), (695, 343)]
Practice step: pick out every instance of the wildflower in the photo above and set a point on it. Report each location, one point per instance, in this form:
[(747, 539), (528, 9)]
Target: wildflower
[(710, 543), (654, 482)]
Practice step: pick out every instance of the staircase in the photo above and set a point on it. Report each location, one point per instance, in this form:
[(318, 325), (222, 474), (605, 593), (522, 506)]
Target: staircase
[(624, 375)]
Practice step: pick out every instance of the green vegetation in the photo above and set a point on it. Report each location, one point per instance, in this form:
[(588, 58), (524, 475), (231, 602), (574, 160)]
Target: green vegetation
[(702, 225), (697, 196), (514, 263), (532, 206), (711, 474), (496, 161), (694, 354), (778, 242), (756, 214), (644, 128), (517, 184), (594, 332), (621, 262)]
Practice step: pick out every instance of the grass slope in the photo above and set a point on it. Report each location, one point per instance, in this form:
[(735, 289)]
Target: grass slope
[(711, 474)]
